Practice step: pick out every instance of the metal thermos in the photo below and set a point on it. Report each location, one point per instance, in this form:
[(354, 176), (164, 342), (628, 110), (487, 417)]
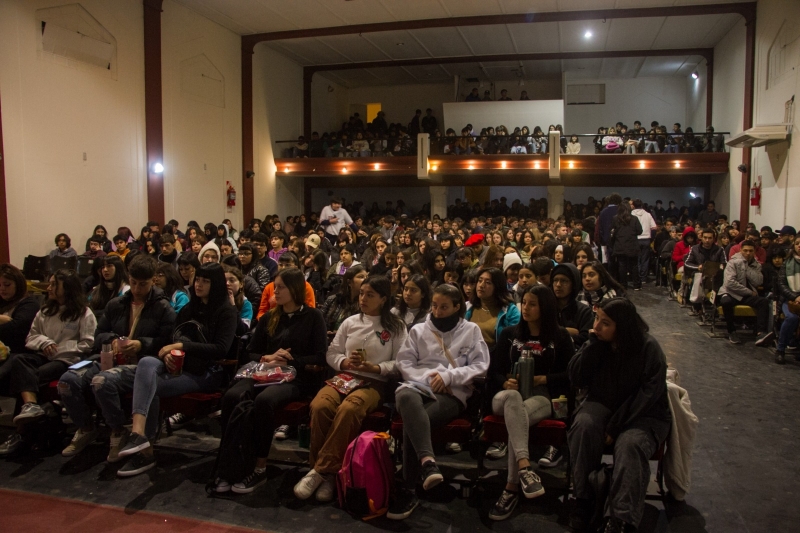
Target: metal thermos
[(525, 371)]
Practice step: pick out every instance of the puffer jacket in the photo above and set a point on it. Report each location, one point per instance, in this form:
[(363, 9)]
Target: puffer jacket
[(154, 329), (683, 247)]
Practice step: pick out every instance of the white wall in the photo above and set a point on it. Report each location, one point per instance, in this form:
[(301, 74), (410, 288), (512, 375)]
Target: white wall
[(277, 114), (728, 111), (510, 114), (696, 99), (202, 131), (628, 100), (777, 165), (329, 108), (400, 101), (53, 113), (414, 197)]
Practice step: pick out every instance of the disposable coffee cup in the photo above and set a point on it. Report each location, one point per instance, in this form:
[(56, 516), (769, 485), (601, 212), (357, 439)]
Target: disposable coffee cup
[(119, 356), (177, 360)]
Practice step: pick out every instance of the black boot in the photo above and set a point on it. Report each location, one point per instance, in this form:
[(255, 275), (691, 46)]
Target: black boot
[(780, 357)]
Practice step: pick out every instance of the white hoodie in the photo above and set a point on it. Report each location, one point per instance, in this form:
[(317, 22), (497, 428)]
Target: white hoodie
[(646, 219), (422, 356)]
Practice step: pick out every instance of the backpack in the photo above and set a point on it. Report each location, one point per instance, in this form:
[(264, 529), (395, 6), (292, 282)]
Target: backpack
[(237, 453), (366, 479)]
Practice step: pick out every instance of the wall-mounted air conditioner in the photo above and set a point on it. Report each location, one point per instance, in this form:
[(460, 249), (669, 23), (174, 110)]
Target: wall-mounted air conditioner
[(760, 136)]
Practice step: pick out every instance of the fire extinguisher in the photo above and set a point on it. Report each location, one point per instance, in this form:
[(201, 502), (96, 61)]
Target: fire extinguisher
[(231, 196), (755, 195)]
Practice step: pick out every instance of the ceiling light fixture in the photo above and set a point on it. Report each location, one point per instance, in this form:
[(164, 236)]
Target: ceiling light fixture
[(695, 75), (158, 168), (401, 44), (588, 34)]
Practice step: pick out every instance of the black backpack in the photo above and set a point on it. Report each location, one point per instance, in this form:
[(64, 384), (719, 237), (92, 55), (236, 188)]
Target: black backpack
[(237, 453)]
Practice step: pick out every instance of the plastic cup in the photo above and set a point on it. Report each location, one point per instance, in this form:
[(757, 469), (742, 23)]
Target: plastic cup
[(177, 360)]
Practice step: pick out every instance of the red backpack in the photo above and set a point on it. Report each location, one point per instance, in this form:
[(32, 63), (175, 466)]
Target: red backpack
[(366, 480)]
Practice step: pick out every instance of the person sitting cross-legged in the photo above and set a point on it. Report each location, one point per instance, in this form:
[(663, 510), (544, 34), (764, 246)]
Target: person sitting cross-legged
[(740, 287), (145, 318), (624, 372), (538, 336), (205, 330)]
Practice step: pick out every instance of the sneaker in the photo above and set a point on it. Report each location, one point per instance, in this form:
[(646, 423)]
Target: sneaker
[(453, 447), (780, 357), (137, 464), (117, 442), (326, 489), (281, 432), (430, 475), (179, 420), (531, 483), (308, 485), (12, 444), (29, 412), (504, 506), (551, 457), (220, 485), (734, 338), (793, 349), (766, 338), (251, 482), (497, 450), (79, 441), (403, 504), (136, 443)]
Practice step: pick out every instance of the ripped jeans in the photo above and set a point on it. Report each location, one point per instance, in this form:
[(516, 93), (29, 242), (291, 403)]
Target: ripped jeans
[(77, 387)]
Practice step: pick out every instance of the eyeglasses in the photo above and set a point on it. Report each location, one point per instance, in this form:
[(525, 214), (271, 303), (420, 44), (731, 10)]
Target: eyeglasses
[(245, 253)]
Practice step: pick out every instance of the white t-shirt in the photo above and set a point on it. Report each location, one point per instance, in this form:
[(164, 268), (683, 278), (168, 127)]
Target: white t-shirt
[(342, 216)]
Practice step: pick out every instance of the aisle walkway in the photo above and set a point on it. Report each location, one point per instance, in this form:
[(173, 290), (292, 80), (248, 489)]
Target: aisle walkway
[(743, 478)]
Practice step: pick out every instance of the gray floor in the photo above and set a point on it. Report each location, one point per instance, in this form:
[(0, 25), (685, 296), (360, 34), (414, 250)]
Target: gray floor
[(744, 474)]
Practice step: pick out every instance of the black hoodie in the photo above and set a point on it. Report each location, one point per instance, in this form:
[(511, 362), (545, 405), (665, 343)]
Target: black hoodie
[(575, 314)]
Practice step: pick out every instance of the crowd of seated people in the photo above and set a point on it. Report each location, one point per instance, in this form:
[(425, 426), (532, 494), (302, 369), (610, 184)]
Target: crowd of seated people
[(385, 297), (379, 138)]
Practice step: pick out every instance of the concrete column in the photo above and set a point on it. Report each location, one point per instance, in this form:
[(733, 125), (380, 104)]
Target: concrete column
[(555, 201), (438, 201)]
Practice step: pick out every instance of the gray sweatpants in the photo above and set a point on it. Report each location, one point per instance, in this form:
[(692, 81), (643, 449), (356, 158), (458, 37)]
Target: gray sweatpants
[(520, 416), (419, 417), (632, 451)]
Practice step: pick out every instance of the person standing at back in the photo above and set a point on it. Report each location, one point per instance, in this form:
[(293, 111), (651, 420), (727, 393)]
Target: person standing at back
[(648, 227), (333, 218)]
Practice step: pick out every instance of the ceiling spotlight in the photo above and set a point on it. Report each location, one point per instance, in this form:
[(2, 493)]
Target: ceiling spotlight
[(401, 44), (587, 35), (158, 168), (693, 195), (695, 75)]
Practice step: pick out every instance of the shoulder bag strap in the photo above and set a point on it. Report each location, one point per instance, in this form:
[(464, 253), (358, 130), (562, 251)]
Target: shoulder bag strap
[(445, 350)]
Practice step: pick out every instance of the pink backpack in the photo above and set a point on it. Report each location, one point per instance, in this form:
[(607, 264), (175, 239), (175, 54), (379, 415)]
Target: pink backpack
[(366, 480)]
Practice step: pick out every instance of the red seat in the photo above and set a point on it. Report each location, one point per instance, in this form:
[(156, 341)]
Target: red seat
[(458, 430), (192, 404), (293, 414), (549, 431)]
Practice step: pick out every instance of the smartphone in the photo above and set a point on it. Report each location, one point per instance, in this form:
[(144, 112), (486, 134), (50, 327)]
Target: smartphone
[(81, 364)]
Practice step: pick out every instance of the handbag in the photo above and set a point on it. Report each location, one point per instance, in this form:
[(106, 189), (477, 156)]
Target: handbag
[(191, 331), (612, 146)]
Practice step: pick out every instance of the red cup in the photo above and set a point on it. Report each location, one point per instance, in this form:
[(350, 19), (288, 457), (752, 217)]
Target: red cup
[(177, 361)]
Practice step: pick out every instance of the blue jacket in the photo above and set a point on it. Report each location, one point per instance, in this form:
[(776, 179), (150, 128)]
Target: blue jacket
[(508, 316)]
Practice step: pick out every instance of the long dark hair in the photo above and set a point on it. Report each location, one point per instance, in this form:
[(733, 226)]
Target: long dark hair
[(623, 213), (74, 300), (501, 295), (295, 281), (12, 273), (173, 279), (549, 330), (425, 305), (631, 328), (583, 247), (389, 321), (217, 296), (344, 295), (605, 278), (102, 293)]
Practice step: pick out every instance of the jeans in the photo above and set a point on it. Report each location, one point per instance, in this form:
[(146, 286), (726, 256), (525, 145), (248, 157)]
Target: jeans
[(651, 146), (419, 417), (644, 258), (153, 382), (758, 303), (630, 148), (672, 149), (108, 387), (74, 389), (520, 416), (788, 328), (267, 400), (633, 448)]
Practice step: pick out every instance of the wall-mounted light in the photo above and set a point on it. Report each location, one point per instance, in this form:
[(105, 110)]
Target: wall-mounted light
[(158, 168), (286, 169), (571, 164), (695, 75), (503, 164), (377, 166), (692, 195), (435, 168), (641, 164), (344, 170), (587, 35), (250, 174), (677, 164), (536, 165), (471, 167)]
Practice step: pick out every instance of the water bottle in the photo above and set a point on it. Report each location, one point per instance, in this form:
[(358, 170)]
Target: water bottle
[(525, 379), (106, 357)]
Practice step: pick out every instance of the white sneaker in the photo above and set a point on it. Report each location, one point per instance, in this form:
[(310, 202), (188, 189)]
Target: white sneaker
[(497, 450), (326, 489), (453, 447), (281, 432), (80, 440), (308, 485)]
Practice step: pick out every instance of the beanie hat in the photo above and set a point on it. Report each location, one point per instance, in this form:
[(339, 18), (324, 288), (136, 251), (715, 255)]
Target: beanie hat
[(511, 259)]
